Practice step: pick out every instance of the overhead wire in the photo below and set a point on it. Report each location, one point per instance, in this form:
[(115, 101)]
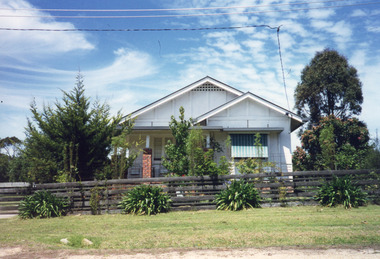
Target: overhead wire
[(167, 9), (141, 30), (184, 15), (282, 66)]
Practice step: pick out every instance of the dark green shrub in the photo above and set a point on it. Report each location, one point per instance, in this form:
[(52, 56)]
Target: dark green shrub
[(43, 204), (145, 200), (238, 195), (341, 191)]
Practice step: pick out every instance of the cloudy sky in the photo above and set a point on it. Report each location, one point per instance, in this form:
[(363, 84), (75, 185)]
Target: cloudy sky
[(130, 69)]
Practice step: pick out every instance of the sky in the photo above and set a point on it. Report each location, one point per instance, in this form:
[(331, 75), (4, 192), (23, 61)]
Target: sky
[(131, 68)]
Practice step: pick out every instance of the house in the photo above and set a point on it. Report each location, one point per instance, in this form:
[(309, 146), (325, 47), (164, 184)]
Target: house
[(222, 111)]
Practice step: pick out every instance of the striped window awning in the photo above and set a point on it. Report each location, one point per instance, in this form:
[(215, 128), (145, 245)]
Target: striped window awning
[(243, 145)]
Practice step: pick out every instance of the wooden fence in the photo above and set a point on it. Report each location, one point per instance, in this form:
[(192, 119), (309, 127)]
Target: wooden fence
[(190, 193)]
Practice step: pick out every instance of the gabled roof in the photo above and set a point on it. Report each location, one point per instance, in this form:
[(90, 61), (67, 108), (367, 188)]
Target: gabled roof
[(186, 89), (297, 120)]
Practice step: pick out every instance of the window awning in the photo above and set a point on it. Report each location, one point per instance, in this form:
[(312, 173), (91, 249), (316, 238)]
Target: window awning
[(243, 145)]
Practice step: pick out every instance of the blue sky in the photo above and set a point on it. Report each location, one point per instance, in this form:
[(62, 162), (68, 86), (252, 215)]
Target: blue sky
[(129, 70)]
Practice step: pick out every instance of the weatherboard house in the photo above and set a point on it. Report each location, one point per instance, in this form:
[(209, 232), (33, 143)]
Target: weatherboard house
[(222, 112)]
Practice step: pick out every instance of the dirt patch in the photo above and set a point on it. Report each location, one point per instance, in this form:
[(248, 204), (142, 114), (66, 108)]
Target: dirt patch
[(291, 253)]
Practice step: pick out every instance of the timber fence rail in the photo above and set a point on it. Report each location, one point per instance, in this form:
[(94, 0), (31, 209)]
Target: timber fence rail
[(191, 192)]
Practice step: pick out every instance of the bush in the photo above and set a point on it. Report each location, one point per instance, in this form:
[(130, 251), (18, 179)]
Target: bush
[(43, 204), (341, 191), (239, 195), (145, 200)]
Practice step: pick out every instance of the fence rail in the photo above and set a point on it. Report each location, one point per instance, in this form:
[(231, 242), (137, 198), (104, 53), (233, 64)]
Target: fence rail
[(191, 192)]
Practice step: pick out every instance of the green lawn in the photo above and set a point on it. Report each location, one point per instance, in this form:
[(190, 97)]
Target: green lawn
[(292, 226)]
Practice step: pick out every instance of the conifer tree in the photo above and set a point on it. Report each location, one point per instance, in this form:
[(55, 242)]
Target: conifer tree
[(70, 141)]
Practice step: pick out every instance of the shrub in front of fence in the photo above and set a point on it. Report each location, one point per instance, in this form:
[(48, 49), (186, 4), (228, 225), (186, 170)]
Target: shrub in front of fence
[(145, 200), (43, 204), (341, 191), (237, 196)]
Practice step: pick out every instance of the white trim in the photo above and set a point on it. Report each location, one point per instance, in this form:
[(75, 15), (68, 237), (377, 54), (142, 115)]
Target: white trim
[(184, 90), (242, 98)]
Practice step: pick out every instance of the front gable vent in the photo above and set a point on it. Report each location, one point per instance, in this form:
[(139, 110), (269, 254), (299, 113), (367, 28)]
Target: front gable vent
[(207, 87)]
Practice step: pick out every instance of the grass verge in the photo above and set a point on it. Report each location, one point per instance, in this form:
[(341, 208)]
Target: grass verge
[(292, 226)]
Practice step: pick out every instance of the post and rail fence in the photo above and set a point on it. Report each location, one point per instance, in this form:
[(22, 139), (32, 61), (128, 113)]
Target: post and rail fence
[(190, 192)]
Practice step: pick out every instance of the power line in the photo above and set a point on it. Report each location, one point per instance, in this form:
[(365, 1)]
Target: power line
[(139, 30), (185, 15), (282, 66), (167, 10)]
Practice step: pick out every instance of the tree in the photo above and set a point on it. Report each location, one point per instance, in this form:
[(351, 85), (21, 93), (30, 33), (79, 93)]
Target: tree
[(373, 158), (9, 152), (123, 154), (70, 141), (329, 86), (177, 161), (333, 144), (201, 158), (188, 155)]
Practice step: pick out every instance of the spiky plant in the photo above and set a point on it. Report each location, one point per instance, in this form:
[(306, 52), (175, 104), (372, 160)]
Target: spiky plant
[(145, 200), (43, 204), (341, 191), (238, 195)]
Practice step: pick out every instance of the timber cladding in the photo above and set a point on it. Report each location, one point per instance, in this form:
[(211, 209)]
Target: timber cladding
[(191, 192)]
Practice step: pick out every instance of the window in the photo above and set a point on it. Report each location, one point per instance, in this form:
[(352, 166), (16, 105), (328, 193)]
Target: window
[(243, 146)]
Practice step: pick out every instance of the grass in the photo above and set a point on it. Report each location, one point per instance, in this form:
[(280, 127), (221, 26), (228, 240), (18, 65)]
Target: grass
[(292, 226)]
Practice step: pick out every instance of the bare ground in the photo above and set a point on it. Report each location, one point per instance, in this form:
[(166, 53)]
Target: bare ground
[(273, 252)]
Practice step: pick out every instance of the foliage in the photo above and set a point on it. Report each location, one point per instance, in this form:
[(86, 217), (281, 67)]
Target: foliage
[(224, 166), (4, 167), (9, 152), (177, 161), (10, 146), (201, 158), (43, 204), (373, 157), (124, 152), (254, 165), (188, 155), (72, 137), (341, 191), (329, 86), (195, 151), (237, 196), (96, 197), (145, 200), (333, 144), (328, 146)]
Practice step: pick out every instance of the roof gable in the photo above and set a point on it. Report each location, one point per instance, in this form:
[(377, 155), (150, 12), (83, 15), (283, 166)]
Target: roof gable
[(205, 84), (295, 119)]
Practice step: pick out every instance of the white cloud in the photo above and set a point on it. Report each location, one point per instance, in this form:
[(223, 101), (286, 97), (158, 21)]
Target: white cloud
[(321, 25), (375, 29), (128, 64), (116, 83), (13, 42), (358, 13), (320, 13)]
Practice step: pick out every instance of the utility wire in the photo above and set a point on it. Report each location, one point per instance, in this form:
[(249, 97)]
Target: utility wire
[(282, 66), (184, 15), (139, 30), (166, 10), (178, 29)]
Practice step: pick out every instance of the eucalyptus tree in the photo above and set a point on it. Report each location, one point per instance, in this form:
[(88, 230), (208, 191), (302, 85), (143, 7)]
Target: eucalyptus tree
[(329, 86)]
